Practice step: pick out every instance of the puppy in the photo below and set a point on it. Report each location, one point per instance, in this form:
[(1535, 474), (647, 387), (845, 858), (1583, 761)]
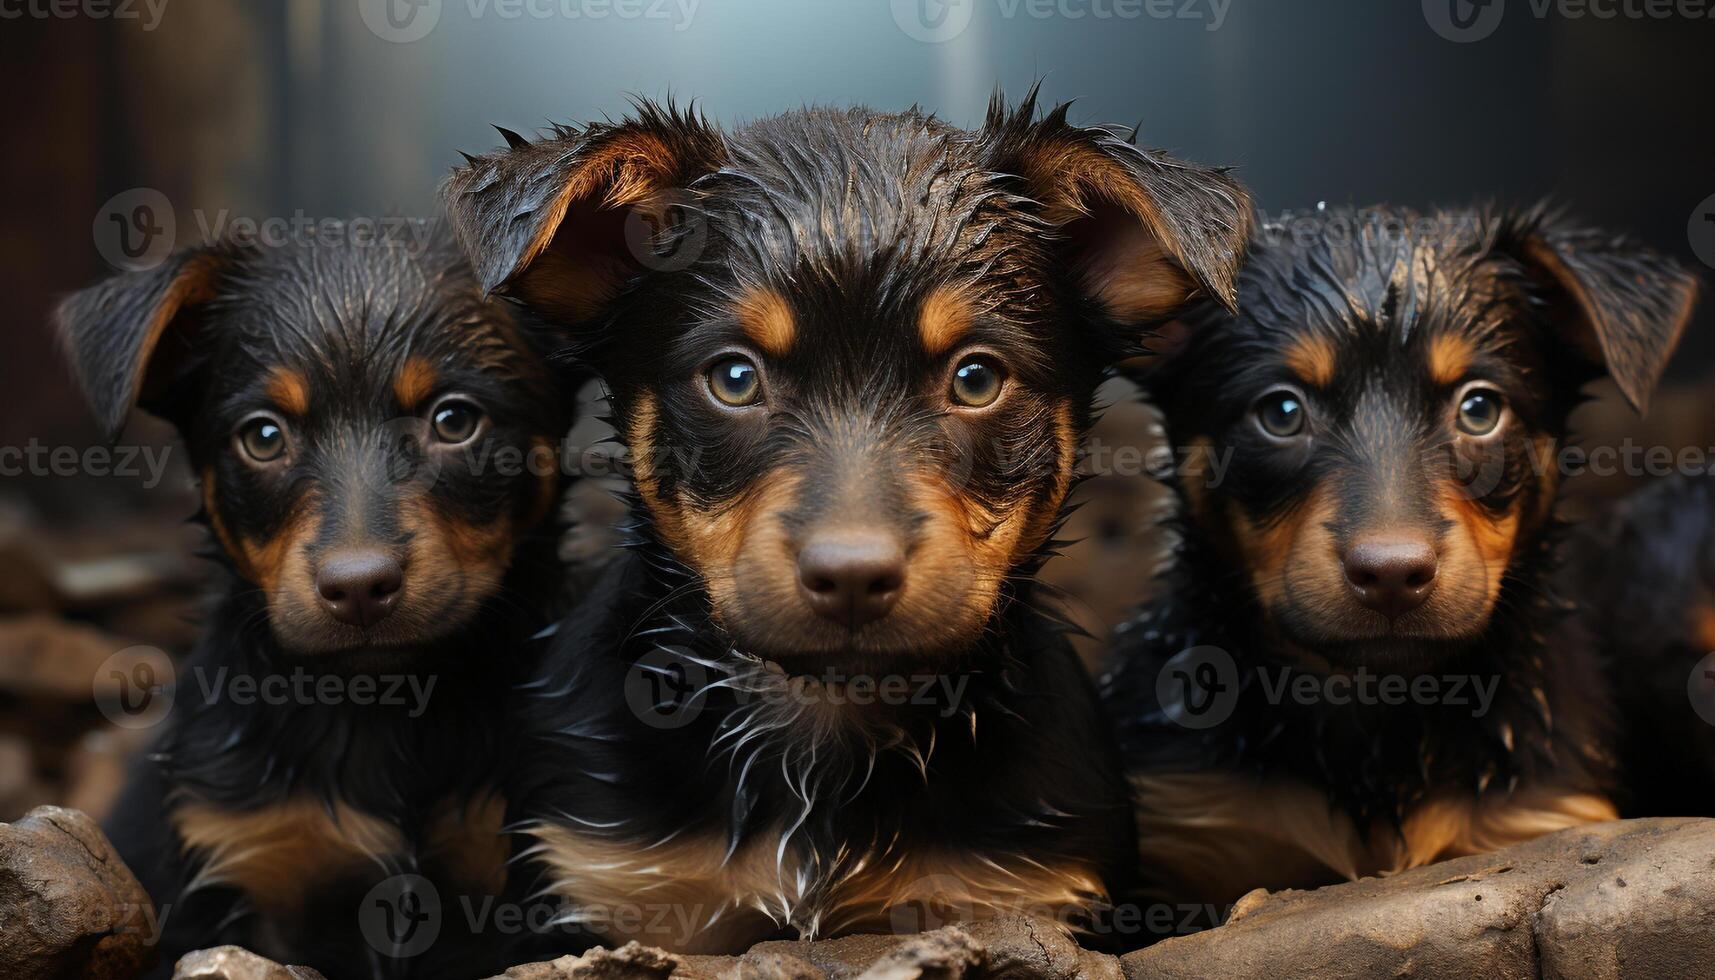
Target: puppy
[(375, 445), (1643, 577), (852, 354), (1357, 663)]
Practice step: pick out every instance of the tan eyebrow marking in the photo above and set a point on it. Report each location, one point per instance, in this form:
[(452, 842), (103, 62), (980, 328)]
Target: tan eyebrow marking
[(416, 378), (765, 318), (1312, 359), (289, 390), (1450, 357), (945, 317)]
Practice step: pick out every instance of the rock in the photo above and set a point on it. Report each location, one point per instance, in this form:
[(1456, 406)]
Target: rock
[(68, 905), (232, 963), (945, 954), (633, 961), (1627, 899)]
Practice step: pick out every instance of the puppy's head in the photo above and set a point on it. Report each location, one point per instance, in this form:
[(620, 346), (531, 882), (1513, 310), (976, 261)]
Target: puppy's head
[(372, 436), (851, 352), (1371, 439)]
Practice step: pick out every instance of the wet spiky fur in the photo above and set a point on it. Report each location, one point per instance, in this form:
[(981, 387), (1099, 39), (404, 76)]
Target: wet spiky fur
[(813, 819)]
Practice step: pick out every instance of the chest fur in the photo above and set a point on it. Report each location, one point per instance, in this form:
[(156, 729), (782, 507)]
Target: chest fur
[(279, 855), (691, 895), (1215, 836)]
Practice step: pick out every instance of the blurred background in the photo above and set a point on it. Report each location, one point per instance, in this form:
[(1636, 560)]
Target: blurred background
[(140, 125)]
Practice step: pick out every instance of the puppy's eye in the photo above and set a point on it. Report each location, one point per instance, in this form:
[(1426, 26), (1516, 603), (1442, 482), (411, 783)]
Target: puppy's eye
[(734, 382), (977, 382), (455, 420), (1480, 411), (1281, 413), (262, 438)]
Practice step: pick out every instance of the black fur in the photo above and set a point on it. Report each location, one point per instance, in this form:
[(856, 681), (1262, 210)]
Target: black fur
[(345, 317), (1377, 287), (851, 217)]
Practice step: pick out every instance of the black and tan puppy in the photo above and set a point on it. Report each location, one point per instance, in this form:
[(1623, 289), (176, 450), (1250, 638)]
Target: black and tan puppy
[(1357, 663), (375, 443), (852, 365)]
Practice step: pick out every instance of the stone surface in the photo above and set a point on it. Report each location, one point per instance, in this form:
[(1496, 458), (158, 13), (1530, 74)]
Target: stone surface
[(68, 906), (233, 963), (1628, 899)]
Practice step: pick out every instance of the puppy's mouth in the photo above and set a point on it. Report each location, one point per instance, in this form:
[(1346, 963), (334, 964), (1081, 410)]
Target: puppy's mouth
[(414, 626), (1358, 637)]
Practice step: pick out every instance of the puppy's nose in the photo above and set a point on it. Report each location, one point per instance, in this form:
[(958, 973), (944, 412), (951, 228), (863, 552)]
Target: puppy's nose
[(852, 576), (1392, 575), (359, 587)]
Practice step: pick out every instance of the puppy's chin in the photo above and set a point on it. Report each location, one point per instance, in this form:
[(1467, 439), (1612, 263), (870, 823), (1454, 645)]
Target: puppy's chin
[(401, 640), (1416, 643), (809, 646)]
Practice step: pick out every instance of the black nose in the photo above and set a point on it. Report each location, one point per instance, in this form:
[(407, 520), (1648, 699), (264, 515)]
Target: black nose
[(1392, 575), (359, 587), (852, 576)]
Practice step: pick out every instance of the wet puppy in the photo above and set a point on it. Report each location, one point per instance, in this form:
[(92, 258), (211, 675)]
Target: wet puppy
[(375, 445), (852, 354), (1357, 663)]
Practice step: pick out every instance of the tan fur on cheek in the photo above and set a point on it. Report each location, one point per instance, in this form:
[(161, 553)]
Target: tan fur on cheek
[(453, 565), (1295, 543), (277, 565), (1481, 539)]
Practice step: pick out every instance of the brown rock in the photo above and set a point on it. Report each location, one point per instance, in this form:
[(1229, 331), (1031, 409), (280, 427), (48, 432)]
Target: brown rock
[(1551, 908), (945, 954), (633, 961), (68, 906), (233, 963)]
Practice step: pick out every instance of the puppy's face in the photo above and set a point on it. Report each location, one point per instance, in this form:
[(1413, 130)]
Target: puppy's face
[(372, 437), (1373, 438), (855, 393)]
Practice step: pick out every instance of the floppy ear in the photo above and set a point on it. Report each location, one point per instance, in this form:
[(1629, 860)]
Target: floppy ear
[(132, 336), (1621, 305), (1147, 233), (545, 221)]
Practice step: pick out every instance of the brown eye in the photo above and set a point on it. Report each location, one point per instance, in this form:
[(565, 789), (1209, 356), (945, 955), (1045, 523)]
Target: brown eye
[(734, 382), (455, 420), (263, 438), (1281, 413), (976, 382), (1480, 411)]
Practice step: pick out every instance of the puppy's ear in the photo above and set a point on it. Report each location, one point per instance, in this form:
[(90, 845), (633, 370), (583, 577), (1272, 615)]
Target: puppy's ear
[(133, 336), (1621, 305), (547, 221), (1146, 233)]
